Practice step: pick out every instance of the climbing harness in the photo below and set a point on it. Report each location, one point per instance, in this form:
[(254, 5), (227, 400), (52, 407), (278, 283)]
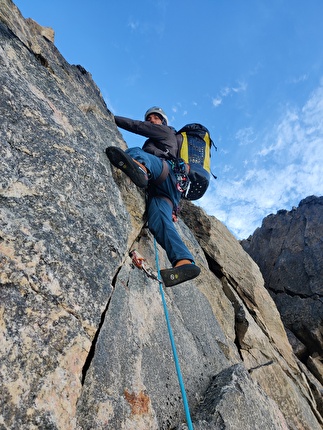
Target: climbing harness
[(163, 176), (172, 341)]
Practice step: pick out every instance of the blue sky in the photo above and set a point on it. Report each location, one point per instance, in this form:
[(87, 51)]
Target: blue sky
[(251, 71)]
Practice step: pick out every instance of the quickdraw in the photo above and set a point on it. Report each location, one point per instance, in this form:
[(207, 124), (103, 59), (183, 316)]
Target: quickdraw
[(181, 170), (140, 262)]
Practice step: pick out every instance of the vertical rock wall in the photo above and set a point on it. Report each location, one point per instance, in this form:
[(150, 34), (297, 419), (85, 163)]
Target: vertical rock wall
[(83, 338)]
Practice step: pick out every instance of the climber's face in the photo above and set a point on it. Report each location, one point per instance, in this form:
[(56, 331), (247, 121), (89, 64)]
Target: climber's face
[(154, 119)]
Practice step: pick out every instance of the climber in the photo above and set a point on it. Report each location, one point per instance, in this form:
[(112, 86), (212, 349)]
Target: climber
[(152, 167)]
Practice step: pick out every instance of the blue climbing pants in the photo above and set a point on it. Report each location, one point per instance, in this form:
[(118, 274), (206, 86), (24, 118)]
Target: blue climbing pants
[(159, 208)]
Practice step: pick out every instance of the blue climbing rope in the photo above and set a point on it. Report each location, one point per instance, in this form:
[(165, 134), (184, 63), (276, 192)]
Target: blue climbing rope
[(172, 341)]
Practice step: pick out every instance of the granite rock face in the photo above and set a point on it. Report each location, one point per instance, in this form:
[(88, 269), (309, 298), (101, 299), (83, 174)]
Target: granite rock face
[(83, 338), (288, 248)]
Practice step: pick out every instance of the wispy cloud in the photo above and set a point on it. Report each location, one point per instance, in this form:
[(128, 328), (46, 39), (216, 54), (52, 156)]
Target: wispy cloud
[(298, 79), (288, 168), (133, 78), (217, 101), (227, 92), (246, 136), (156, 26), (133, 24)]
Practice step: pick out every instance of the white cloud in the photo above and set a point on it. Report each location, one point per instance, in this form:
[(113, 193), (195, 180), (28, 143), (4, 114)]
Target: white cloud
[(132, 79), (217, 101), (298, 79), (245, 136), (242, 86), (227, 91), (134, 25), (287, 169), (150, 27)]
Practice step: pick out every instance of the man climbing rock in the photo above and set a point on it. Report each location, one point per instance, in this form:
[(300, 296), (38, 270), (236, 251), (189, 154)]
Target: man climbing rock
[(155, 167)]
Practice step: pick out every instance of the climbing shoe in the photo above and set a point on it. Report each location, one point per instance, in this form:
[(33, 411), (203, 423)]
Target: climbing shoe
[(136, 171), (179, 274)]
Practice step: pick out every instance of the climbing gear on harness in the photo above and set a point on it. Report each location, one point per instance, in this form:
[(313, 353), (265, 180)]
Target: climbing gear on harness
[(180, 273), (175, 213), (172, 341), (181, 170), (136, 171), (140, 262)]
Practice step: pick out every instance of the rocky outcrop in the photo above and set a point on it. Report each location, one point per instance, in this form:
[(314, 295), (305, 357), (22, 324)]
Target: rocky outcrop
[(83, 337), (288, 249)]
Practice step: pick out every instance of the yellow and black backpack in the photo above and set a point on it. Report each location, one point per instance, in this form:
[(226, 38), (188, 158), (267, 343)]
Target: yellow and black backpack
[(195, 150)]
